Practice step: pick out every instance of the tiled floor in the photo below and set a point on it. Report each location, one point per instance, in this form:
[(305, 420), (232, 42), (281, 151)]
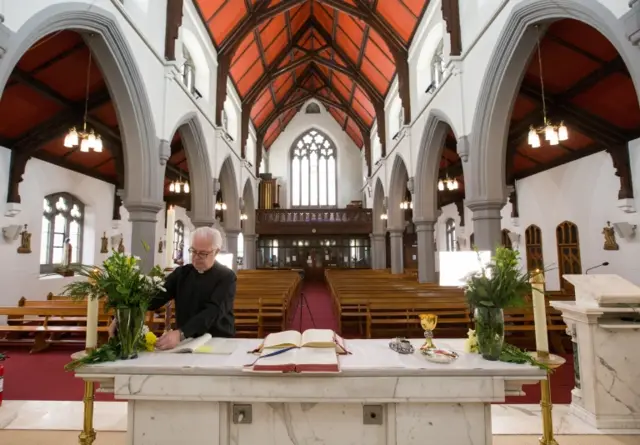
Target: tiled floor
[(33, 422)]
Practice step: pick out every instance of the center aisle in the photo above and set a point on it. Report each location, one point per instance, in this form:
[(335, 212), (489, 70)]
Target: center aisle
[(319, 309)]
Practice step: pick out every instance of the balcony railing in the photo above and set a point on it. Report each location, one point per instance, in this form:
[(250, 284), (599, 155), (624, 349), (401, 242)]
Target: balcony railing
[(320, 221)]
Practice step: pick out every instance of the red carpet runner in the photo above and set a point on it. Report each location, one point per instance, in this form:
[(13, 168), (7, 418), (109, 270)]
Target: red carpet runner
[(42, 377)]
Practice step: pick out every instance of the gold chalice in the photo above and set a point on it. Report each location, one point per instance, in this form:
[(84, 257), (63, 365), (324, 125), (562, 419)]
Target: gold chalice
[(428, 323)]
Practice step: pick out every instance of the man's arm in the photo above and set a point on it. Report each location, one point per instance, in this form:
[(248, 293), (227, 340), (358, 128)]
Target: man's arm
[(220, 302), (170, 286)]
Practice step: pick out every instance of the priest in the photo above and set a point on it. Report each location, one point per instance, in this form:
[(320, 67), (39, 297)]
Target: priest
[(203, 293)]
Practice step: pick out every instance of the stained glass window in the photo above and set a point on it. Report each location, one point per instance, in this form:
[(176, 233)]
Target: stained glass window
[(313, 171), (62, 218)]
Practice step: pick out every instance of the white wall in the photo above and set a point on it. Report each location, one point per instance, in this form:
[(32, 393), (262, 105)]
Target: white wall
[(584, 192), (349, 156), (21, 272)]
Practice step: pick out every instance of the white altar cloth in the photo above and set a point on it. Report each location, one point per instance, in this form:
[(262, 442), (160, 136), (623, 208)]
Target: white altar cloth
[(379, 398)]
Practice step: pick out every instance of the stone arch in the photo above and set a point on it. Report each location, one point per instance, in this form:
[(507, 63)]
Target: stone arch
[(249, 225), (502, 80), (229, 187), (435, 132), (397, 189), (200, 176), (378, 207), (143, 180)]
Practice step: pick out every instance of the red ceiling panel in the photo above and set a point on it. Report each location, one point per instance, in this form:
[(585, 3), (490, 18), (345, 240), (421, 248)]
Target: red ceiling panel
[(353, 45)]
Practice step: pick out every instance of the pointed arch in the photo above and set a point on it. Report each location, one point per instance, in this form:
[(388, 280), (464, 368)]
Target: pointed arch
[(568, 243), (110, 47), (533, 247), (428, 165), (229, 188), (397, 190), (248, 198), (200, 172), (378, 207), (503, 76)]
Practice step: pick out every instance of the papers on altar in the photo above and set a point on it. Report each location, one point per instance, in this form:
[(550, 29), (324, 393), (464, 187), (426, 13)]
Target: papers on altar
[(456, 266), (205, 344)]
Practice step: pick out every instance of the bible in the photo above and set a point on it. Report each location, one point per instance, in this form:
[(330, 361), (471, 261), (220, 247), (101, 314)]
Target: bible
[(315, 350)]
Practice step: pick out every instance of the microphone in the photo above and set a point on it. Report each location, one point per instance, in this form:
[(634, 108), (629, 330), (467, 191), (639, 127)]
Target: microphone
[(606, 263)]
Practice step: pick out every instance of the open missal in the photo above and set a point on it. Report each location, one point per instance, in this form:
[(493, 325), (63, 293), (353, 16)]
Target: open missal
[(204, 344), (315, 350)]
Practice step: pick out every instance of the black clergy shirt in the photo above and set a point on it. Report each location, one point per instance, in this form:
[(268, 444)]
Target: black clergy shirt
[(203, 301)]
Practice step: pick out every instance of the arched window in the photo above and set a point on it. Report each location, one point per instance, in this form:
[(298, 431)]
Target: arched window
[(506, 241), (188, 71), (313, 171), (533, 245), (312, 108), (437, 65), (240, 259), (450, 227), (62, 218), (178, 242), (568, 243), (225, 121)]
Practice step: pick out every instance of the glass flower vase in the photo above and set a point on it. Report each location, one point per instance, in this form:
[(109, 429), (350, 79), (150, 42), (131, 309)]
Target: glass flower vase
[(130, 322), (489, 326)]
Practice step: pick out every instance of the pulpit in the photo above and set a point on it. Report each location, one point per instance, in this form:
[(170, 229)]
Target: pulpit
[(604, 324)]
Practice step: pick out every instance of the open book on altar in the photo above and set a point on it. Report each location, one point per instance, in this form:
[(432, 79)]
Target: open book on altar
[(311, 338), (204, 344), (315, 350)]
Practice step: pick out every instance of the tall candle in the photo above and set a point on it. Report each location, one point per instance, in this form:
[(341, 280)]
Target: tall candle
[(171, 222), (92, 322), (539, 311)]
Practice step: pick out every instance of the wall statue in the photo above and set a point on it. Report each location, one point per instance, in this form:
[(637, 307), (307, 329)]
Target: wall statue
[(609, 238)]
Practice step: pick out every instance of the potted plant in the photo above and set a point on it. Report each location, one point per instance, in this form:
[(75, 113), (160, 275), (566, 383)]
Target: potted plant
[(501, 284), (125, 290)]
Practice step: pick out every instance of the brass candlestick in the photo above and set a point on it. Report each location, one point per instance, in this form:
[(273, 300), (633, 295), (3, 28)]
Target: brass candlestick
[(428, 323), (553, 362), (88, 434)]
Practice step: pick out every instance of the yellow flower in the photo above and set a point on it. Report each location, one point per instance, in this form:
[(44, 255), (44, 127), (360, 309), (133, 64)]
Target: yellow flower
[(150, 340)]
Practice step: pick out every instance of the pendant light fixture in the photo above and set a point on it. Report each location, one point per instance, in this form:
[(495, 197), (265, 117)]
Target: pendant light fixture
[(553, 134), (87, 139), (448, 184), (179, 186)]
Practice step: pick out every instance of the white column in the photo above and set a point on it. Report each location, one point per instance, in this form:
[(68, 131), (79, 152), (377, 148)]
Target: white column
[(232, 246), (378, 251), (397, 262), (250, 251), (426, 251), (143, 219), (486, 224)]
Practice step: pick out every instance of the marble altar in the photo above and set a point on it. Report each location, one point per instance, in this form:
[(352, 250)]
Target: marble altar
[(379, 398), (604, 325)]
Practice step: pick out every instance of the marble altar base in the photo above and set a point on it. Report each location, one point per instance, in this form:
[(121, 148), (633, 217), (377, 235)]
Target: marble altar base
[(379, 398)]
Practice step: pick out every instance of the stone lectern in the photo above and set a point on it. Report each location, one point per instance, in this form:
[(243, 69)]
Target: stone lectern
[(604, 324)]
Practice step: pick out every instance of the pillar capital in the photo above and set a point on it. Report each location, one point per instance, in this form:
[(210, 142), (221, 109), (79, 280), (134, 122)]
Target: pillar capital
[(424, 226), (377, 236), (143, 210), (232, 232), (249, 236), (395, 232), (485, 205), (204, 222)]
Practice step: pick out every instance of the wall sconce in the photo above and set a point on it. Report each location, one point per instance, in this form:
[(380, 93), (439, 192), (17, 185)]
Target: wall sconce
[(11, 233), (623, 230), (515, 239)]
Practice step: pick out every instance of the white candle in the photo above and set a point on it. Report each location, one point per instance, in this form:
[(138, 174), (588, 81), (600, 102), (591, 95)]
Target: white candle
[(171, 222), (539, 311), (92, 323)]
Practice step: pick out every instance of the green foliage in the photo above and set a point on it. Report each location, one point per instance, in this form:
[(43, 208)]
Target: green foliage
[(108, 352), (513, 354), (119, 281), (501, 284)]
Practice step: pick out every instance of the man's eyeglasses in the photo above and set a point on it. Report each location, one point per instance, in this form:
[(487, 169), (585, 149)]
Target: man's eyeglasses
[(201, 255)]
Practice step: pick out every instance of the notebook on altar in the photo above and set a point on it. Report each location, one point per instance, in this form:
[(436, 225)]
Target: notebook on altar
[(311, 338), (204, 344)]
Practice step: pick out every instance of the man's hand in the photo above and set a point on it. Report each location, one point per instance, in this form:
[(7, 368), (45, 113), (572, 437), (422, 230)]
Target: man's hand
[(169, 340), (112, 328)]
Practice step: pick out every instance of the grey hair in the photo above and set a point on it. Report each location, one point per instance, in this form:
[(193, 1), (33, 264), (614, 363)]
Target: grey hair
[(210, 234)]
